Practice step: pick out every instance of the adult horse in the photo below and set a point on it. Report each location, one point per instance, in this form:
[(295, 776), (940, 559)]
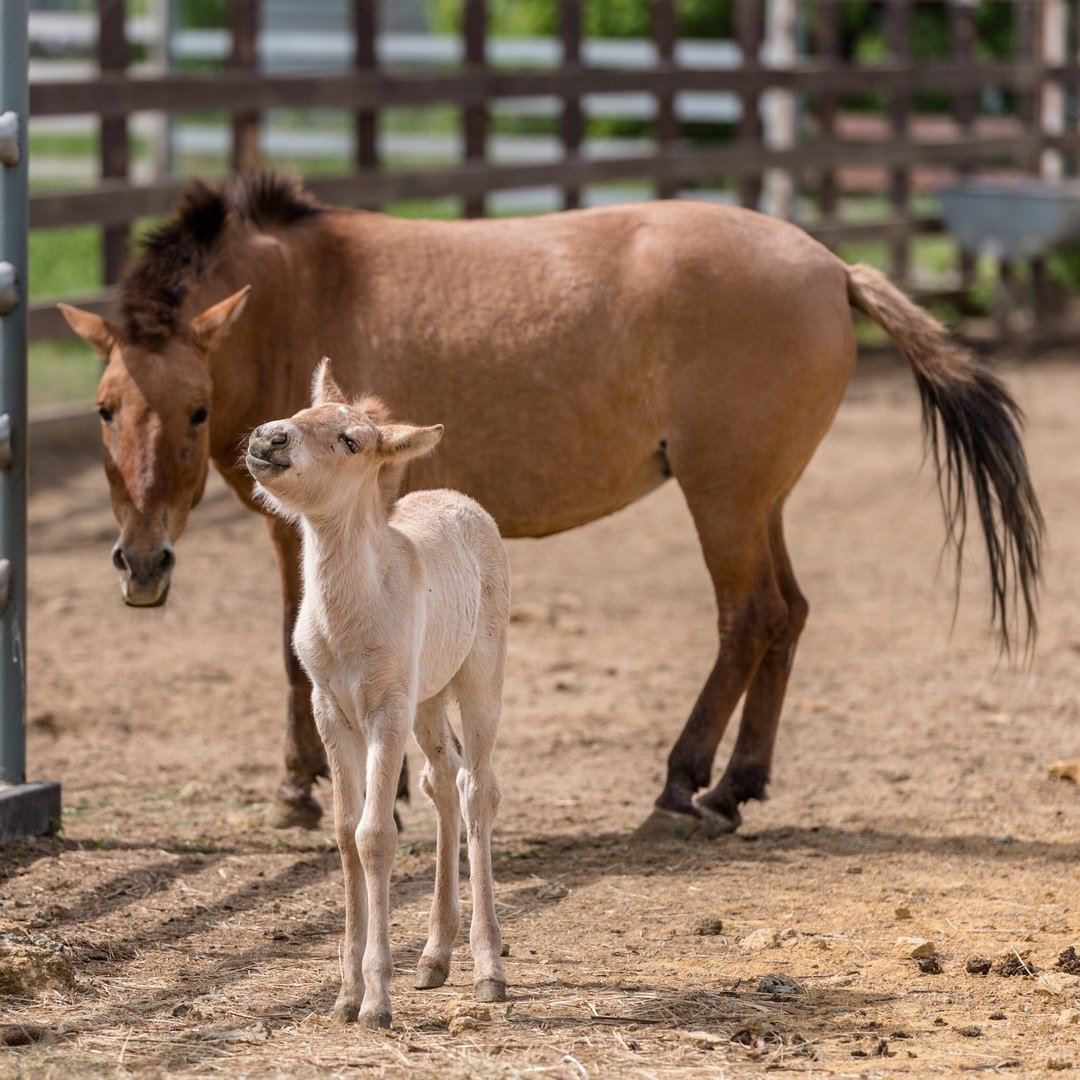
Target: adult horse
[(578, 360)]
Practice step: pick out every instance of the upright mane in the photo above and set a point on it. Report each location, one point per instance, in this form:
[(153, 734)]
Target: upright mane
[(178, 250)]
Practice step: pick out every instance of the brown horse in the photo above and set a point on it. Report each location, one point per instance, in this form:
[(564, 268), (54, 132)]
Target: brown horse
[(578, 360)]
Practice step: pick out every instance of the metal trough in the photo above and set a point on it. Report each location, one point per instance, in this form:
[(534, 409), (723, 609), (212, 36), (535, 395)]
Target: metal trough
[(1013, 219)]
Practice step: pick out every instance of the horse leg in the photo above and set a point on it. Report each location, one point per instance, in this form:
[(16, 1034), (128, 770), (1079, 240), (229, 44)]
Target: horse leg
[(305, 758), (347, 766), (376, 841), (751, 612), (747, 773), (438, 782), (479, 688)]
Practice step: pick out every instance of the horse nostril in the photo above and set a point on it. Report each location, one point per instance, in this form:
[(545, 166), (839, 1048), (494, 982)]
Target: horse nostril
[(119, 560), (280, 438), (167, 561)]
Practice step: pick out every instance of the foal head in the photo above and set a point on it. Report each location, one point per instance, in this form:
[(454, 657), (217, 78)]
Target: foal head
[(154, 402), (325, 459)]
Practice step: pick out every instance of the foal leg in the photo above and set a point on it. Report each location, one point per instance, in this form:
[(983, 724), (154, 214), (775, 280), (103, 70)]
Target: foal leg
[(438, 782), (750, 609), (376, 840), (345, 752), (747, 773), (479, 695)]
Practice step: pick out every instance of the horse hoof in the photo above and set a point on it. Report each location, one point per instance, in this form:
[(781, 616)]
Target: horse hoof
[(715, 823), (303, 812), (344, 1012), (663, 825), (375, 1020), (430, 975), (490, 990)]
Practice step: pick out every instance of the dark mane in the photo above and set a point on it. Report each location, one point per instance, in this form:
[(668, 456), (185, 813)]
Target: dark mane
[(178, 250)]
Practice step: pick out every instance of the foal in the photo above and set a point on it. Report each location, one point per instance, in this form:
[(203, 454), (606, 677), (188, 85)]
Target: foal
[(404, 603)]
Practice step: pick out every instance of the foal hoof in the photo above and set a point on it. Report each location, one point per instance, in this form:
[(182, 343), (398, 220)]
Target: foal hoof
[(663, 825), (303, 812), (716, 823), (490, 990), (344, 1012), (376, 1020), (430, 975)]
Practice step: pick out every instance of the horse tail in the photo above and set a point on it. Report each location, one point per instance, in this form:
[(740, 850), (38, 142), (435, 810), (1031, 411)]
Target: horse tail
[(972, 425)]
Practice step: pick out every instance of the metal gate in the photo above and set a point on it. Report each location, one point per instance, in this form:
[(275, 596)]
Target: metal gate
[(25, 809)]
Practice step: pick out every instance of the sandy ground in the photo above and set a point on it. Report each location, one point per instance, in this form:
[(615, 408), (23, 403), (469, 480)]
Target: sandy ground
[(911, 798)]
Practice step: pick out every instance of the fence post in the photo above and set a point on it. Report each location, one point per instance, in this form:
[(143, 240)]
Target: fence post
[(475, 117), (965, 102), (572, 121), (1053, 52), (365, 61), (244, 56), (115, 150), (749, 30), (25, 809), (781, 121), (827, 47), (665, 33), (899, 38)]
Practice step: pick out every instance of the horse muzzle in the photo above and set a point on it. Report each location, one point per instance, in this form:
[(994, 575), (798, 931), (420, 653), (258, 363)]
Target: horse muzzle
[(144, 573)]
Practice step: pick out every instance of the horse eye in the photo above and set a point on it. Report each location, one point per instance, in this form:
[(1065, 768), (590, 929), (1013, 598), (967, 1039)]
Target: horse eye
[(199, 416), (349, 444), (105, 414)]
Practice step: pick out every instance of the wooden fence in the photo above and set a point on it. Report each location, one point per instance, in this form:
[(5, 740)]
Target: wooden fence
[(816, 150)]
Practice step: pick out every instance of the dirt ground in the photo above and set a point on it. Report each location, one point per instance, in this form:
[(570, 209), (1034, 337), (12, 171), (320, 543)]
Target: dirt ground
[(910, 799)]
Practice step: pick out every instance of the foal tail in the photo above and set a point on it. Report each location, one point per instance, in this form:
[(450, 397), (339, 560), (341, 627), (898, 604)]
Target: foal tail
[(972, 424)]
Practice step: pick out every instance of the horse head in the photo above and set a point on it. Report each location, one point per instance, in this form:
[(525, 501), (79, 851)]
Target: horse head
[(154, 400)]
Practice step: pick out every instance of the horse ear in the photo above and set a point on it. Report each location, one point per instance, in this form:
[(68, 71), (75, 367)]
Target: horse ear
[(400, 442), (324, 391), (100, 334), (214, 321)]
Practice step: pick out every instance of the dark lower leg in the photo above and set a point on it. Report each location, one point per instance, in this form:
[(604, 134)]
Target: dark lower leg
[(747, 773), (691, 758)]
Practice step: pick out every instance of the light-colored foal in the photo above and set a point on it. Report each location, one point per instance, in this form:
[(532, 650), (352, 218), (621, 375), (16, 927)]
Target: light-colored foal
[(406, 602)]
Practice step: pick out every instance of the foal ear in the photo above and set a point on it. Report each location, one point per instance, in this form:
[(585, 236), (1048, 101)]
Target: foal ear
[(324, 391), (100, 334), (400, 442), (214, 321)]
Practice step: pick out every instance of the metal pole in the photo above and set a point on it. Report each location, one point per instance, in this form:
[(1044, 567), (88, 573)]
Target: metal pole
[(13, 195), (25, 809)]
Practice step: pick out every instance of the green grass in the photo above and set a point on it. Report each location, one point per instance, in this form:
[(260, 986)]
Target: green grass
[(64, 261), (62, 372)]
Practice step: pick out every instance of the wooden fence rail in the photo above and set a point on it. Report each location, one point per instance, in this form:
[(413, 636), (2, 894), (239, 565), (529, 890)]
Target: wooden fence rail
[(816, 154)]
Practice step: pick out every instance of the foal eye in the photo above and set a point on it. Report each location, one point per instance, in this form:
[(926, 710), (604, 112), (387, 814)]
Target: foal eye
[(349, 444), (105, 414), (199, 416)]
